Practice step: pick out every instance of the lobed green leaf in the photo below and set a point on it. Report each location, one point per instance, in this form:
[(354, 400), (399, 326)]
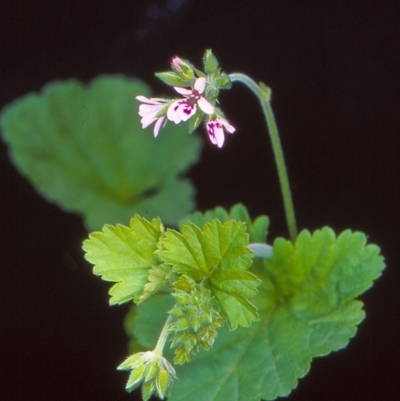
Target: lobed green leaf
[(257, 229), (125, 255), (308, 309), (217, 254), (83, 147)]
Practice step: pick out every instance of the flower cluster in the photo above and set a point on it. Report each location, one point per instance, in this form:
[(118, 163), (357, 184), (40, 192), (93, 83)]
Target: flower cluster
[(199, 96), (152, 371)]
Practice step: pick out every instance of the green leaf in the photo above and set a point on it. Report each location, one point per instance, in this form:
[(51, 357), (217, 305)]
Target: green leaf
[(125, 255), (157, 278), (219, 255), (83, 147), (257, 229), (307, 309)]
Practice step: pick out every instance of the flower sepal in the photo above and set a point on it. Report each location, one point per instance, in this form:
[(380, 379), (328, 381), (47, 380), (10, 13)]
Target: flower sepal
[(195, 121), (152, 371), (174, 79), (200, 73), (223, 81), (210, 62)]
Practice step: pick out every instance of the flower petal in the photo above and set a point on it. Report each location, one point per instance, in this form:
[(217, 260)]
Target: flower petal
[(172, 115), (180, 111), (145, 99), (183, 91), (205, 106), (176, 63), (230, 128), (186, 111), (200, 84), (149, 109), (148, 120), (158, 125), (216, 133), (220, 137)]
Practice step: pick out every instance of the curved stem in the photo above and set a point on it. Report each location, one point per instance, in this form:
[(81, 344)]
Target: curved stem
[(162, 339), (263, 95)]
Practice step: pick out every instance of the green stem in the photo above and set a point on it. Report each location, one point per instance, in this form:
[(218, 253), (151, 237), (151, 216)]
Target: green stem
[(263, 95), (162, 339)]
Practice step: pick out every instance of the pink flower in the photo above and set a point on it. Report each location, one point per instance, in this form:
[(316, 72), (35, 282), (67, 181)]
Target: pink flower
[(215, 129), (149, 112), (183, 109)]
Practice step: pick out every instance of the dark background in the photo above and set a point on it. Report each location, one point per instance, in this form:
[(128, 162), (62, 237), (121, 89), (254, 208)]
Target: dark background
[(333, 67)]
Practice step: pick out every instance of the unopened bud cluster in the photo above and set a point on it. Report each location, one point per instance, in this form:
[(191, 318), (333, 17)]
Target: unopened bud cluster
[(152, 371), (195, 321)]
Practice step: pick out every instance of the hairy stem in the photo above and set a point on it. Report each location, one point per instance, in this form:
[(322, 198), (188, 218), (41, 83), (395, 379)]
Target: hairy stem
[(263, 95), (162, 339)]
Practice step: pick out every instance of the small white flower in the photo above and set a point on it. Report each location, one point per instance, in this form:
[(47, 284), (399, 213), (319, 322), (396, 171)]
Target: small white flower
[(183, 109), (215, 129), (149, 111)]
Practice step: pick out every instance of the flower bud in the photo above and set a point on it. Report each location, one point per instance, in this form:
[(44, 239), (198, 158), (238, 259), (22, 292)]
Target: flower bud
[(195, 320), (152, 371), (223, 81), (183, 68), (210, 62)]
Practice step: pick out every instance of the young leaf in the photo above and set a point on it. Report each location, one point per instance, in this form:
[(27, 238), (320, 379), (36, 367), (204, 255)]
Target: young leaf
[(217, 254), (257, 229), (307, 309), (157, 278), (83, 147), (125, 255)]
